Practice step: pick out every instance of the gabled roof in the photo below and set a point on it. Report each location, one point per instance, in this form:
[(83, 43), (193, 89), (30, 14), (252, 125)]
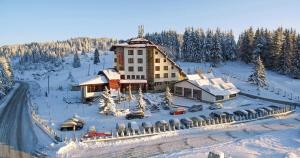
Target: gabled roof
[(111, 74), (214, 86), (97, 79)]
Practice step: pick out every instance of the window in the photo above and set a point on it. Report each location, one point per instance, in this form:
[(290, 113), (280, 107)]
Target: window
[(132, 77), (156, 52), (94, 88), (140, 60), (165, 67), (130, 60), (157, 76), (115, 59), (137, 76), (232, 95), (157, 68), (178, 91), (121, 68), (130, 52), (157, 60), (140, 52), (172, 67), (128, 76), (173, 75), (165, 60), (130, 68), (140, 69), (197, 94), (142, 77), (122, 76), (165, 75), (187, 92), (219, 97)]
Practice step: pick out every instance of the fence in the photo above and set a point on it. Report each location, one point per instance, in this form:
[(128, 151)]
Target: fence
[(44, 126), (263, 113), (270, 87)]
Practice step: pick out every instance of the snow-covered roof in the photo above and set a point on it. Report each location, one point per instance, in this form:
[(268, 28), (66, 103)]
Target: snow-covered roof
[(215, 86), (133, 81), (97, 79), (139, 40), (193, 77), (111, 74)]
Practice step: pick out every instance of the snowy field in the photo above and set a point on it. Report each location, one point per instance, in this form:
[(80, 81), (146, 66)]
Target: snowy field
[(62, 103)]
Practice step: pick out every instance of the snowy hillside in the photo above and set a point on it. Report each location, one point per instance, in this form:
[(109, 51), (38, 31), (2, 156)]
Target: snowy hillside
[(62, 103)]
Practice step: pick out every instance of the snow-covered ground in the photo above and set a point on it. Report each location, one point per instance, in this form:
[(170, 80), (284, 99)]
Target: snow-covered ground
[(54, 109)]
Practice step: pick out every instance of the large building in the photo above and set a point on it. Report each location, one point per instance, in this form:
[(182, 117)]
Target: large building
[(138, 63), (205, 88), (139, 59)]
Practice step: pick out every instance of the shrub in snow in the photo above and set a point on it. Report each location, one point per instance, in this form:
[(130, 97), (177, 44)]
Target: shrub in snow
[(107, 104), (71, 77), (76, 61), (215, 154)]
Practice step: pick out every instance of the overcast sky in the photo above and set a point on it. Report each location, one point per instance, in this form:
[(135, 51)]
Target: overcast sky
[(43, 20)]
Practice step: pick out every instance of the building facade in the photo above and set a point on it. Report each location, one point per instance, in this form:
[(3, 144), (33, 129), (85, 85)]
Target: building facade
[(141, 60)]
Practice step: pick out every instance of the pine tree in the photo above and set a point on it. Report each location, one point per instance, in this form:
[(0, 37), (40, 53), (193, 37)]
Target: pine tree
[(141, 104), (168, 97), (107, 104), (246, 47), (96, 57), (216, 51), (208, 46), (276, 48), (6, 75), (258, 76), (284, 62), (76, 61), (295, 70)]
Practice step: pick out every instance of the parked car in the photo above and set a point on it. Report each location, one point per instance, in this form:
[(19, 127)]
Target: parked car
[(148, 126), (268, 109), (175, 122), (196, 120), (215, 106), (95, 134), (241, 113), (72, 124), (162, 125), (133, 127), (274, 107), (260, 111), (204, 120), (135, 115), (196, 108), (188, 123), (217, 114), (178, 111), (251, 112), (121, 127)]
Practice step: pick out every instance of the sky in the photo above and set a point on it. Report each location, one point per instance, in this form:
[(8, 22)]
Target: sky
[(23, 21)]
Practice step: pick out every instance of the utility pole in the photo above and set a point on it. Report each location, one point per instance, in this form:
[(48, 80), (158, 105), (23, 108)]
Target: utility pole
[(89, 70), (48, 84)]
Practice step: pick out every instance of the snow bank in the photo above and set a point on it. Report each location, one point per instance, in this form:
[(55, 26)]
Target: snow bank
[(6, 99), (66, 149)]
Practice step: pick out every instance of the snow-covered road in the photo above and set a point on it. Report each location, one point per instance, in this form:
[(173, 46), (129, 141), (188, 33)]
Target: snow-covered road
[(17, 137)]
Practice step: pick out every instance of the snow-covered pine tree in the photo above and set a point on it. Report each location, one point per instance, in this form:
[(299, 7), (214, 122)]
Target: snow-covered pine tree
[(246, 47), (258, 77), (276, 48), (284, 62), (208, 45), (295, 71), (96, 57), (265, 54), (6, 75), (107, 104), (141, 104), (216, 51), (130, 96), (168, 97), (76, 60)]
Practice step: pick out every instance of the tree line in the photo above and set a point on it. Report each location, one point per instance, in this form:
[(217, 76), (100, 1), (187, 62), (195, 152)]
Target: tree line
[(6, 76), (54, 52), (279, 49)]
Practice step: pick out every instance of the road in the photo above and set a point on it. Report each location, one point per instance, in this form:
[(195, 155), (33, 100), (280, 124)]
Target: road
[(17, 136)]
